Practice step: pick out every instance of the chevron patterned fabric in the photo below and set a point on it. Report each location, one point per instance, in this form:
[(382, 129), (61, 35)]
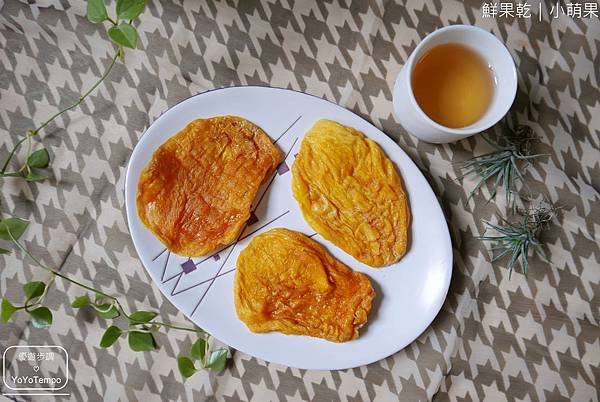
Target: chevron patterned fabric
[(527, 338)]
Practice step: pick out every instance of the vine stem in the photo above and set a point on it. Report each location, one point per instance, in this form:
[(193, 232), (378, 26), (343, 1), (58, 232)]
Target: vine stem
[(12, 153), (85, 95), (91, 289), (38, 300), (32, 133)]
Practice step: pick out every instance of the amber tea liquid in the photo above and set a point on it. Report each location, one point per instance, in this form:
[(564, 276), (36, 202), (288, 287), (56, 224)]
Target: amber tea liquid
[(453, 85)]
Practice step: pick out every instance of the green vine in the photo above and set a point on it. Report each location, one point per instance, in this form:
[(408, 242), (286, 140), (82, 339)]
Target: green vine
[(141, 325)]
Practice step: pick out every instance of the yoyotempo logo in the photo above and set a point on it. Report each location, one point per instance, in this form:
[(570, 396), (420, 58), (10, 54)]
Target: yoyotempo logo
[(35, 368), (27, 380)]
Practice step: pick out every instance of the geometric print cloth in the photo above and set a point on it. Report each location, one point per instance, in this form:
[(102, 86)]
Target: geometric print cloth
[(523, 338)]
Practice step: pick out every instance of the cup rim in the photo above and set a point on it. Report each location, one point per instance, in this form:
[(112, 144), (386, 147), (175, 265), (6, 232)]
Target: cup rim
[(467, 131)]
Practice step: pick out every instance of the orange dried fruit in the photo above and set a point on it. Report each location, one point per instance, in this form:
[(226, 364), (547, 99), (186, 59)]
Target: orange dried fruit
[(196, 192), (289, 283), (350, 192)]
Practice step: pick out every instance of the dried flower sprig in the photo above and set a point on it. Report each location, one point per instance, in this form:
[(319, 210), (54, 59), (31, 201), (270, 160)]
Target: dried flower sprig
[(503, 164), (517, 240)]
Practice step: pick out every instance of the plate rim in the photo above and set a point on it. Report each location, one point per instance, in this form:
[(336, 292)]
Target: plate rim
[(448, 248)]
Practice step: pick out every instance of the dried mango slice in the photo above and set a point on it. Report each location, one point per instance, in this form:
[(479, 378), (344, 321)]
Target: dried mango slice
[(351, 194), (287, 282), (196, 192)]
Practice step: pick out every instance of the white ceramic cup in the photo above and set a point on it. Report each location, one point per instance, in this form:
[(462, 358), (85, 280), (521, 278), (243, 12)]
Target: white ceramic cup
[(495, 54)]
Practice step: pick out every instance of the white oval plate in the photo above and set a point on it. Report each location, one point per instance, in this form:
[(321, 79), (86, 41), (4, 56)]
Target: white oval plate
[(409, 293)]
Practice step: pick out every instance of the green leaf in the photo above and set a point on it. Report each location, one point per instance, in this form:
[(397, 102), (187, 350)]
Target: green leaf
[(217, 360), (81, 301), (110, 336), (7, 310), (124, 35), (33, 289), (96, 11), (130, 9), (199, 349), (4, 251), (107, 313), (41, 317), (141, 341), (16, 227), (186, 367), (32, 176), (142, 316), (39, 159)]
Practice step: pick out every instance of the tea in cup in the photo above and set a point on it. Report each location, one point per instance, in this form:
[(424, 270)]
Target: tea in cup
[(460, 80)]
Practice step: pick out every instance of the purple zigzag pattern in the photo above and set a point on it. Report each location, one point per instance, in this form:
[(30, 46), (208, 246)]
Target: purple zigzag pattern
[(189, 266), (231, 269), (228, 254), (255, 208), (180, 274), (217, 275), (253, 219), (287, 129)]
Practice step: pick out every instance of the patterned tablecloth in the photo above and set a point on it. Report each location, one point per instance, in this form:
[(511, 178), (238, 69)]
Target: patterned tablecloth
[(527, 338)]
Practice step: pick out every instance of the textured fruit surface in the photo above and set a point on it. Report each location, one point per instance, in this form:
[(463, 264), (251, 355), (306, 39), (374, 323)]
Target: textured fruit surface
[(196, 192), (289, 283), (351, 193)]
